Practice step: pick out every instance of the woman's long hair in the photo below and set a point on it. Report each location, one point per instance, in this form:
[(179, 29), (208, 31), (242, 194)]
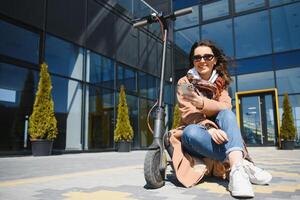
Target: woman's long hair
[(222, 63)]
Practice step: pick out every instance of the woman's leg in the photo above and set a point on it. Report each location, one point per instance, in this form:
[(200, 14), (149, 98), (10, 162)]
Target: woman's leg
[(198, 142)]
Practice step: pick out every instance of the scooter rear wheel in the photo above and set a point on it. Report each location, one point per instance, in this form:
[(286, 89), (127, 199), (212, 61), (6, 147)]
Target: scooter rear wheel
[(153, 176)]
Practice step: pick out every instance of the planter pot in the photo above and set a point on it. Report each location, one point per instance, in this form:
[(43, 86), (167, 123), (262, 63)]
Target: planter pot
[(288, 145), (124, 146), (41, 147)]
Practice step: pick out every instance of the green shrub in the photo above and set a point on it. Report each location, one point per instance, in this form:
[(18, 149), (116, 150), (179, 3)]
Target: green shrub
[(287, 129), (176, 117), (42, 122), (123, 131)]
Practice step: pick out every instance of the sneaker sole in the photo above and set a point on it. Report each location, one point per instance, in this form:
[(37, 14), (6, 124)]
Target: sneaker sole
[(242, 194)]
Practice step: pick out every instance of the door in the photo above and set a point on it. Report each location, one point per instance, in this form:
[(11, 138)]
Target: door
[(258, 119)]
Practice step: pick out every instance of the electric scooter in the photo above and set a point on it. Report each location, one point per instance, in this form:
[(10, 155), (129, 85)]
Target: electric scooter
[(155, 162)]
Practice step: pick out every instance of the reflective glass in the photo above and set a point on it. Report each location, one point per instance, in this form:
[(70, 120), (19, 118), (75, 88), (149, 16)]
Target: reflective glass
[(279, 2), (257, 64), (248, 26), (128, 78), (288, 80), (148, 85), (140, 9), (243, 5), (145, 134), (184, 39), (285, 27), (168, 93), (100, 118), (17, 91), (63, 58), (221, 33), (288, 59), (19, 43), (126, 4), (101, 71), (188, 20), (256, 81), (215, 10), (67, 97), (179, 4), (232, 88)]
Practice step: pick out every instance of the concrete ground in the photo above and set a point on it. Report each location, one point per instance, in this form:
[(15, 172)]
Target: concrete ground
[(119, 176)]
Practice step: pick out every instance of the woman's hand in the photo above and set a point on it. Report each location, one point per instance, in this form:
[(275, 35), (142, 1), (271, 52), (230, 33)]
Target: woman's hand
[(218, 135), (195, 99)]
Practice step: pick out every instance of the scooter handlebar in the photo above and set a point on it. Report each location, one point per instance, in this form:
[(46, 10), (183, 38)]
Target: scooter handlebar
[(149, 19), (181, 12)]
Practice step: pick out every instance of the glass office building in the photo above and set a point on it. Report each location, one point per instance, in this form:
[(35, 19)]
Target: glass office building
[(91, 49), (262, 38)]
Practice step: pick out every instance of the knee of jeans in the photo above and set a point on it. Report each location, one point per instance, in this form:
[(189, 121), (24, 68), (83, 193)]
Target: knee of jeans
[(191, 132), (226, 114)]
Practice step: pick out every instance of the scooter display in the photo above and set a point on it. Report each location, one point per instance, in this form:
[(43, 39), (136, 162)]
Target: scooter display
[(155, 162)]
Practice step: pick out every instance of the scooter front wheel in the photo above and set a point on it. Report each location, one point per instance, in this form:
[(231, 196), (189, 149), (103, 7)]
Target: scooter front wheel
[(153, 176)]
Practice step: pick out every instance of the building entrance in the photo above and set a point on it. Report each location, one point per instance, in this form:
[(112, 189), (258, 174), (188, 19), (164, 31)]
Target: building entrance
[(257, 114)]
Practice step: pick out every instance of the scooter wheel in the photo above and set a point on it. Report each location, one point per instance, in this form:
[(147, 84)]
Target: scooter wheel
[(153, 176)]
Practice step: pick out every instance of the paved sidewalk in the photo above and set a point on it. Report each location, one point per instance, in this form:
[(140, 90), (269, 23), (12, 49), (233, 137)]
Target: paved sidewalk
[(119, 176)]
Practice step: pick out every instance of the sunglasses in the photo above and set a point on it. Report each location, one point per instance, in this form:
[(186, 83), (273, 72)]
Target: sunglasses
[(206, 57)]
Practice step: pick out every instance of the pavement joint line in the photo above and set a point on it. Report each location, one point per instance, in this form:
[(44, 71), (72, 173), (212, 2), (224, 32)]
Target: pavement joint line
[(43, 179)]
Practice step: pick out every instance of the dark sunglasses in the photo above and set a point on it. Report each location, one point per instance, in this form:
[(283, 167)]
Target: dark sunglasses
[(206, 57)]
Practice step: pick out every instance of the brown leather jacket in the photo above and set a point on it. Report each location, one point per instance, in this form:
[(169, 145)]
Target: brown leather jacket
[(182, 162)]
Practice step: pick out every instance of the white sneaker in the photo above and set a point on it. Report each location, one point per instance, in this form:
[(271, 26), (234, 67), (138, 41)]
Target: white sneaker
[(256, 175), (239, 184)]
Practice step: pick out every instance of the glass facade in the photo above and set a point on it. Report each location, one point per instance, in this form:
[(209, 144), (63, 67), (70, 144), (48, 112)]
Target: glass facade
[(262, 38), (85, 89)]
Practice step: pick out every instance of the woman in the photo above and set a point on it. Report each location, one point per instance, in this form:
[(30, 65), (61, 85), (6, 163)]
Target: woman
[(209, 140)]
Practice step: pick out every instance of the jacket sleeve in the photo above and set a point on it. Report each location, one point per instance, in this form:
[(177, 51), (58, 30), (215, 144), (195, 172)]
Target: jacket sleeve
[(212, 107)]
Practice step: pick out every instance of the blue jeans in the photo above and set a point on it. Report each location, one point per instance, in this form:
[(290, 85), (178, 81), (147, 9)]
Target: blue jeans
[(197, 141)]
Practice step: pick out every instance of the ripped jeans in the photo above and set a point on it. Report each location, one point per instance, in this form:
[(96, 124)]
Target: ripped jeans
[(198, 142)]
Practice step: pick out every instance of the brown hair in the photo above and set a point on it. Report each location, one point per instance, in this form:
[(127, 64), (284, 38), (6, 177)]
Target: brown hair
[(222, 61)]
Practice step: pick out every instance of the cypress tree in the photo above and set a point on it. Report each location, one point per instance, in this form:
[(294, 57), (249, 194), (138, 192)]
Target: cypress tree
[(287, 129), (42, 122), (176, 117), (123, 131)]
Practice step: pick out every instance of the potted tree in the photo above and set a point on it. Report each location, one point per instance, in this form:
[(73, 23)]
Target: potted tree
[(42, 122), (287, 129), (176, 117), (123, 133)]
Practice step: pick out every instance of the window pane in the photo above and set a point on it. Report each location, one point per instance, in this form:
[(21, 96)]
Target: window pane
[(232, 88), (279, 2), (19, 43), (168, 96), (289, 59), (186, 38), (101, 71), (145, 134), (188, 20), (214, 10), (179, 4), (221, 34), (242, 5), (67, 97), (16, 101), (257, 81), (286, 27), (64, 58), (246, 27), (257, 64), (288, 80), (100, 118), (128, 78)]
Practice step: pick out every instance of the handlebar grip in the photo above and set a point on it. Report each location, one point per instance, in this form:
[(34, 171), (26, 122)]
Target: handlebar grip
[(183, 12), (140, 23)]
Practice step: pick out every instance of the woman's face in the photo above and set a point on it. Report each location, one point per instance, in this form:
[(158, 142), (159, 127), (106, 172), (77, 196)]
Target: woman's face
[(204, 61)]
